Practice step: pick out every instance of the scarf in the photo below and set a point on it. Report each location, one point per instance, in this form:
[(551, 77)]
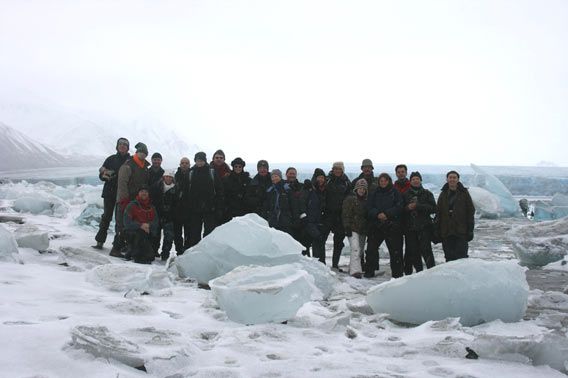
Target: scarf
[(138, 162)]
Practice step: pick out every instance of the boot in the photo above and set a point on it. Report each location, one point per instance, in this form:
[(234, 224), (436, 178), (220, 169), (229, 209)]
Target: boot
[(99, 245), (115, 252)]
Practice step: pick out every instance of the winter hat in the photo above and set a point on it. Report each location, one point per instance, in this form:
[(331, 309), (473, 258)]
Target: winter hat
[(262, 163), (219, 152), (276, 172), (157, 155), (122, 140), (143, 187), (367, 163), (416, 174), (319, 172), (141, 147), (361, 183), (200, 156), (170, 173), (339, 164), (238, 161)]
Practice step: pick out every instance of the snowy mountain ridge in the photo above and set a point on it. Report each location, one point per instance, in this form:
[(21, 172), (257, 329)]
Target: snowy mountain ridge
[(92, 135)]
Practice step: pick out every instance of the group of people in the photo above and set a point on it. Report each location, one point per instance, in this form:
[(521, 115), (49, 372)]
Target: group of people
[(189, 203)]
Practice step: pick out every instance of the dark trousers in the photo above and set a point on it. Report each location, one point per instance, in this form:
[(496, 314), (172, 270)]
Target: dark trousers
[(139, 246), (168, 229), (418, 247), (334, 224), (199, 222), (181, 235), (119, 241), (108, 212), (393, 237), (314, 234), (455, 247), (157, 238)]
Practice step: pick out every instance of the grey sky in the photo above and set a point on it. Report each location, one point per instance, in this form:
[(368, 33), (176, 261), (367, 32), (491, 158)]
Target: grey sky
[(415, 81)]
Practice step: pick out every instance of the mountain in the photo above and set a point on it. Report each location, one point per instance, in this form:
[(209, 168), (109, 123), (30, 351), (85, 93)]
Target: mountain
[(90, 135), (18, 151)]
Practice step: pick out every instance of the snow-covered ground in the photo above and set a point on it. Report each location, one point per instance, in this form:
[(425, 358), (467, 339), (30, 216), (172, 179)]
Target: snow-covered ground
[(64, 312)]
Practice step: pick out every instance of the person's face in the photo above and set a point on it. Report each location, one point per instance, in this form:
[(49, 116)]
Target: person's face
[(452, 180), (400, 173), (415, 181), (361, 191), (184, 164), (168, 180), (143, 195), (238, 168), (275, 179), (141, 155), (320, 180), (383, 182), (156, 162), (200, 163), (218, 159), (262, 170), (337, 171), (367, 170), (122, 148), (291, 175)]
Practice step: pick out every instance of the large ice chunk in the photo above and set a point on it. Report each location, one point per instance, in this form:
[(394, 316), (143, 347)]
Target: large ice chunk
[(8, 245), (486, 203), (485, 180), (540, 244), (255, 294), (30, 236), (42, 205), (474, 290), (247, 240), (91, 217), (117, 277)]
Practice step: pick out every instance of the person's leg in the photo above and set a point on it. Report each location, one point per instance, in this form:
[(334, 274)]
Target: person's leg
[(106, 218)]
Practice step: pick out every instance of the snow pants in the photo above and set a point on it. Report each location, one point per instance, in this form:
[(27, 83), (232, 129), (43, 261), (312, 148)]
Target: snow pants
[(455, 247), (392, 235), (140, 246), (357, 244), (418, 247)]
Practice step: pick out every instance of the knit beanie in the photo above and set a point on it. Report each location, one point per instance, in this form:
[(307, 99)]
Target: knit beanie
[(339, 164), (361, 183), (238, 161), (157, 155), (276, 172), (417, 174), (122, 140), (141, 147), (262, 163), (172, 174), (200, 156), (319, 172)]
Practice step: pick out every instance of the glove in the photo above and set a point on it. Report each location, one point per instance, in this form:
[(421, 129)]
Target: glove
[(348, 232), (469, 236)]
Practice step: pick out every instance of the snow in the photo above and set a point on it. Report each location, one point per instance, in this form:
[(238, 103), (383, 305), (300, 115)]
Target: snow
[(541, 243), (253, 294), (73, 311), (476, 291)]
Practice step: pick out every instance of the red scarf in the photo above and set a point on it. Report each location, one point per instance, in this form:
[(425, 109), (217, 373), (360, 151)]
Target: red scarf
[(144, 212)]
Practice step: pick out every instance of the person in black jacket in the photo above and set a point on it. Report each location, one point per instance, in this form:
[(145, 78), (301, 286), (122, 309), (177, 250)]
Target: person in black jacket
[(314, 194), (419, 203), (384, 207), (280, 208), (205, 198), (109, 174), (299, 196), (181, 212), (155, 171), (235, 187), (163, 196), (337, 187), (256, 190)]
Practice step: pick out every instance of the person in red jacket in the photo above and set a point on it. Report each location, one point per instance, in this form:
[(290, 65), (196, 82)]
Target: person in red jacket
[(140, 227), (402, 184)]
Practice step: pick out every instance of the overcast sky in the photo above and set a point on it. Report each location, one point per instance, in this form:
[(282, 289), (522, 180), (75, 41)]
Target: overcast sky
[(431, 82)]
